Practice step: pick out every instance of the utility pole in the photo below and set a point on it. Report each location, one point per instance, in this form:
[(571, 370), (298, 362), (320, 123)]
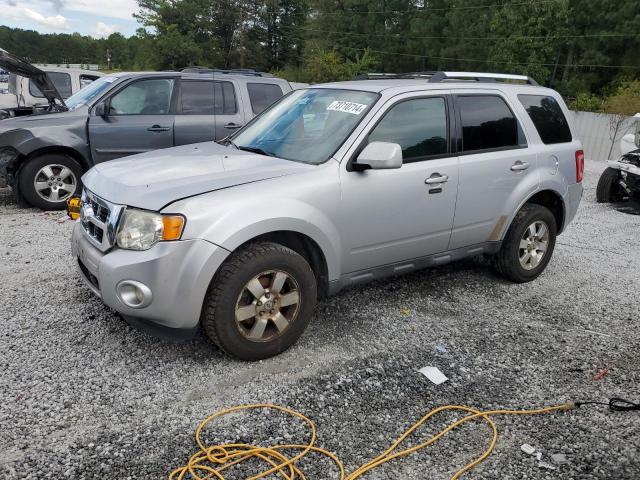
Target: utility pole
[(241, 34), (108, 59)]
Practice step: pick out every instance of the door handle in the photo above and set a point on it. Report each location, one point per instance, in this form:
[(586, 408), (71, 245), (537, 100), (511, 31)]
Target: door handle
[(158, 128), (436, 178), (519, 166), (232, 125)]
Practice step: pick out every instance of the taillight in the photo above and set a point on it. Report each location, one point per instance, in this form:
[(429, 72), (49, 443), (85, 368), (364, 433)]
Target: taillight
[(579, 165)]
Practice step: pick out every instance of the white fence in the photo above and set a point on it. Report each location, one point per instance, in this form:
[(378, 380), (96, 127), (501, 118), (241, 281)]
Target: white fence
[(596, 131)]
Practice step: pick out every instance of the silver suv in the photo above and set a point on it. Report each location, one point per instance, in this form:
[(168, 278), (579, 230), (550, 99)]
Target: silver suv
[(332, 186)]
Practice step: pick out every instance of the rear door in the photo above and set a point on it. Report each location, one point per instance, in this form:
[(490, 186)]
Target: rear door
[(229, 116), (195, 119), (140, 118), (497, 168)]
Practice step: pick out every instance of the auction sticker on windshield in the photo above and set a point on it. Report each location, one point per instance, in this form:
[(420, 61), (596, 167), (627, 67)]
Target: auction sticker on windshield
[(347, 107)]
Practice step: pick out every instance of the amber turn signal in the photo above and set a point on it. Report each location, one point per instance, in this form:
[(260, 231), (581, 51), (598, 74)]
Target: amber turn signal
[(173, 225)]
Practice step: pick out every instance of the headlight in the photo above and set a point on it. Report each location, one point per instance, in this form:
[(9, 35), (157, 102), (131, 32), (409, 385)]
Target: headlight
[(141, 230)]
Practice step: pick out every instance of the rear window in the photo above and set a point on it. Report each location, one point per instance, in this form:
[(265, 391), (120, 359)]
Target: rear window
[(547, 117), (62, 82), (262, 95), (488, 124)]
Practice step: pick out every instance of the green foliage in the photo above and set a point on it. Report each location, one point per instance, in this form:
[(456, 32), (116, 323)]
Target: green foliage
[(325, 40), (626, 99), (586, 102)]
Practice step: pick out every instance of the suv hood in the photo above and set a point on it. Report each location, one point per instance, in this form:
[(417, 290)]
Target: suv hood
[(16, 65), (155, 179)]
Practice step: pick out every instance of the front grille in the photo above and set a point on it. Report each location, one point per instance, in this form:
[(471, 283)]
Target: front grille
[(99, 219)]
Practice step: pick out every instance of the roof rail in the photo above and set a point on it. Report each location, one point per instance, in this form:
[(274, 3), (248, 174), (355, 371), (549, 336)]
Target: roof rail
[(480, 77), (391, 76), (231, 71)]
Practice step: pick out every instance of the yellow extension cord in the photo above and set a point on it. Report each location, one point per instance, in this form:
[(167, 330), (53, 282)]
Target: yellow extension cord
[(211, 460)]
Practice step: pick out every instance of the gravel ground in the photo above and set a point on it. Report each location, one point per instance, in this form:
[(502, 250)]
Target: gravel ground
[(84, 395)]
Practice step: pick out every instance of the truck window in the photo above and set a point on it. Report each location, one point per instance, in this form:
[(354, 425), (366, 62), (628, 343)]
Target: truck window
[(262, 95), (547, 117), (87, 79), (146, 97), (488, 124), (419, 126), (62, 82), (224, 97), (197, 97)]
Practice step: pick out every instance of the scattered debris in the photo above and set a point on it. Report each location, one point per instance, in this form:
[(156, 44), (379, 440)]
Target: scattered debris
[(546, 465), (441, 348), (539, 456), (603, 372), (434, 374), (405, 311), (528, 449), (559, 458), (63, 219)]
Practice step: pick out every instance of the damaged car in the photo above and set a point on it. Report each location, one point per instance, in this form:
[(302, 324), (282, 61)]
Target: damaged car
[(621, 180), (30, 90)]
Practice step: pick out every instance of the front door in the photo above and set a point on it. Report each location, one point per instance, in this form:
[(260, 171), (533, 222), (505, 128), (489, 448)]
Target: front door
[(138, 118), (395, 215)]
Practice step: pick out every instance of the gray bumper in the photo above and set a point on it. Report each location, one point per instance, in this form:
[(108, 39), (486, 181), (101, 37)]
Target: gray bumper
[(177, 273)]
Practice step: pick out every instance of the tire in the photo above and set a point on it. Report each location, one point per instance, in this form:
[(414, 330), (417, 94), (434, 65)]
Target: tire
[(229, 299), (508, 259), (53, 194), (609, 190)]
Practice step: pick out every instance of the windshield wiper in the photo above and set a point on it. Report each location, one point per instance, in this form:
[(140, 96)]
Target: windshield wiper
[(257, 150)]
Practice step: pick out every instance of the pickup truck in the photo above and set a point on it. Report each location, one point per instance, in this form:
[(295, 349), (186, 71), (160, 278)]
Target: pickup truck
[(21, 85), (43, 157)]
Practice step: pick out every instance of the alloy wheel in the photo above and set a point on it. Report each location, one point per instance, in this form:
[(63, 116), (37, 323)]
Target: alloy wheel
[(267, 305), (55, 183), (533, 245)]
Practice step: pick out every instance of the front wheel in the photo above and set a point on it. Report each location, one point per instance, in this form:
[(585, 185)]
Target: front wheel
[(47, 181), (528, 245), (260, 301)]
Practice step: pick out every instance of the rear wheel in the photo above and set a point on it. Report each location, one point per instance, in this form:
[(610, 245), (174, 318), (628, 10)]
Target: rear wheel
[(609, 189), (260, 301), (528, 245), (47, 181)]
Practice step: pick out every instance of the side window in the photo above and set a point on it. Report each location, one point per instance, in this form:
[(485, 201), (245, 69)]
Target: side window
[(547, 117), (224, 97), (197, 97), (86, 80), (419, 126), (262, 95), (60, 80), (488, 124), (146, 97)]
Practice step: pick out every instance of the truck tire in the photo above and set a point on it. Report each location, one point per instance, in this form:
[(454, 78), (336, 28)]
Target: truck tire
[(609, 190), (528, 245), (47, 181), (260, 301)]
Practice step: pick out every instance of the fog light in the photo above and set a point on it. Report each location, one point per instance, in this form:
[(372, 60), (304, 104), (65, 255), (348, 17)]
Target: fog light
[(134, 294)]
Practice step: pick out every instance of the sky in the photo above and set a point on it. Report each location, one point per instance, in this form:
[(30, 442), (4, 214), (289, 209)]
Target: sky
[(98, 18)]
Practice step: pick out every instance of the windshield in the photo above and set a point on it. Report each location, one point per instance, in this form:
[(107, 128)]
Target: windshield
[(88, 93), (307, 125)]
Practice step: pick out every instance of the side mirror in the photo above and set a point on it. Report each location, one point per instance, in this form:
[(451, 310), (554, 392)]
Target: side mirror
[(100, 110), (378, 156)]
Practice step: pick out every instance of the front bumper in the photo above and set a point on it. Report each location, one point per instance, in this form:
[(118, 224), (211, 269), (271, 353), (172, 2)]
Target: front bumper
[(8, 160), (177, 273)]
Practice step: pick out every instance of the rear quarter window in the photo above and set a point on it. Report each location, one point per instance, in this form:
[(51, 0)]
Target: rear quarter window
[(548, 118), (262, 95)]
